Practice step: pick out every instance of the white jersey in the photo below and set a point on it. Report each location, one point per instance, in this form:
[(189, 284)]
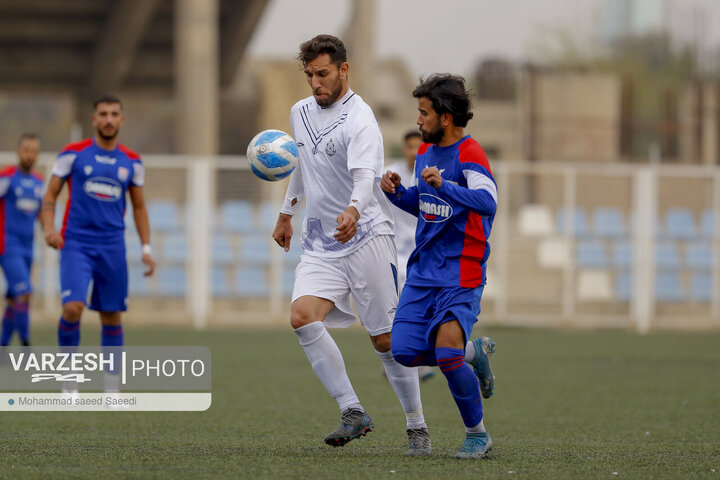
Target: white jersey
[(331, 141)]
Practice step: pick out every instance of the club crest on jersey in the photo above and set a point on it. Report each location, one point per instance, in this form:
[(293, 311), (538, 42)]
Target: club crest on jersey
[(434, 209), (87, 169), (123, 173), (330, 148), (103, 189), (18, 191)]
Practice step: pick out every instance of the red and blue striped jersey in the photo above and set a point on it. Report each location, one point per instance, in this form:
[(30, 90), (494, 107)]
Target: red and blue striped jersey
[(20, 196), (455, 220), (98, 180)]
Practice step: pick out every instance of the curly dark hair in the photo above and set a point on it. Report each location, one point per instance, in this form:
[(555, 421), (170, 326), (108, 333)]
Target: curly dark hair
[(107, 98), (448, 94), (321, 44)]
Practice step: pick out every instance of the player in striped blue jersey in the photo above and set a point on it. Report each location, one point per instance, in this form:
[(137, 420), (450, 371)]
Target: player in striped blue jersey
[(454, 198)]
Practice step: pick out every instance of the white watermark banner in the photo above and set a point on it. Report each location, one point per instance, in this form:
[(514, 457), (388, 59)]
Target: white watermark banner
[(105, 402)]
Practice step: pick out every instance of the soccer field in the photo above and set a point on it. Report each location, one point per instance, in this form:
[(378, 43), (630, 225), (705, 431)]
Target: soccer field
[(567, 405)]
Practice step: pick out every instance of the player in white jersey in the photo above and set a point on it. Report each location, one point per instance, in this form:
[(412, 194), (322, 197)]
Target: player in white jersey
[(405, 223), (347, 239)]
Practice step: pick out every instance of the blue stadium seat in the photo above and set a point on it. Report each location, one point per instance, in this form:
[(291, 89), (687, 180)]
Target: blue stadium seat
[(222, 252), (579, 219), (138, 283), (175, 247), (163, 216), (701, 286), (608, 223), (707, 224), (622, 254), (255, 249), (669, 287), (220, 285), (251, 283), (698, 255), (591, 254), (236, 216), (288, 281), (680, 224), (623, 286), (268, 215), (171, 281), (667, 256)]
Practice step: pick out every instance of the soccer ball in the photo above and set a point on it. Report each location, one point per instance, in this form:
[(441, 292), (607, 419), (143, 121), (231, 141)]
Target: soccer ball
[(272, 155)]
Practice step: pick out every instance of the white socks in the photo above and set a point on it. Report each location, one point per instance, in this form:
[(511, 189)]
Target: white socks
[(404, 381), (479, 428), (327, 363)]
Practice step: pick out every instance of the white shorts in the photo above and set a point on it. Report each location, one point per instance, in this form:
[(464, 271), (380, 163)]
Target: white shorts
[(369, 274)]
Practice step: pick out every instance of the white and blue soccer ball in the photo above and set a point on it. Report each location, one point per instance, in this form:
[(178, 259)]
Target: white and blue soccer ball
[(272, 155)]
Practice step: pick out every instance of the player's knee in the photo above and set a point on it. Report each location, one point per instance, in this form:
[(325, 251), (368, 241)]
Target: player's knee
[(381, 343), (23, 298), (72, 311), (299, 317)]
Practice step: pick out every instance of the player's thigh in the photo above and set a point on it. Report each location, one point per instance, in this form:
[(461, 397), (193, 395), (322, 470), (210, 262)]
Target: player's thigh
[(76, 269), (320, 277), (410, 334), (372, 274), (457, 303), (110, 281), (17, 275)]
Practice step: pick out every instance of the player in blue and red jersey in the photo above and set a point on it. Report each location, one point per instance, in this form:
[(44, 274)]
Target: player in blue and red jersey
[(20, 194), (99, 172), (455, 198)]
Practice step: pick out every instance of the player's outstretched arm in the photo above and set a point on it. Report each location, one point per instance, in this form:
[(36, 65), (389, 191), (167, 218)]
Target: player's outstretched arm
[(47, 212), (403, 198), (142, 223), (390, 181), (283, 231)]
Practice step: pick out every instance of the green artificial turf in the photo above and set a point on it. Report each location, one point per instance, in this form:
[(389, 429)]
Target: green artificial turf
[(567, 404)]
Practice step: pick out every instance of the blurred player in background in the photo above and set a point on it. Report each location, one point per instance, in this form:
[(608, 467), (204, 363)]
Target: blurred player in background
[(347, 239), (99, 172), (455, 199), (20, 195), (405, 223)]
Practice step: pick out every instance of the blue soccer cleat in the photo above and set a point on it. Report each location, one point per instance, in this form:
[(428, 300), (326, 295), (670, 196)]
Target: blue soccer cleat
[(484, 346), (354, 423), (476, 445)]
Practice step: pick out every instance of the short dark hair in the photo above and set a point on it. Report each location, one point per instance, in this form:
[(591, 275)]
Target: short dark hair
[(107, 98), (448, 94), (28, 136), (321, 44), (411, 134)]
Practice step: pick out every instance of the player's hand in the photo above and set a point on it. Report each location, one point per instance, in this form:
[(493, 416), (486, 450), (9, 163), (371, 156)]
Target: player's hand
[(432, 176), (347, 224), (390, 181), (283, 231), (54, 239), (149, 263)]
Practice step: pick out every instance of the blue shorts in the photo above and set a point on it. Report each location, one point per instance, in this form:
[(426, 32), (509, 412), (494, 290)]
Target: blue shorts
[(17, 274), (422, 309), (106, 267)]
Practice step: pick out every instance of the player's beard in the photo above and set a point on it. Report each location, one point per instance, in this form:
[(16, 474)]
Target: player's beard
[(108, 137), (331, 98), (433, 136)]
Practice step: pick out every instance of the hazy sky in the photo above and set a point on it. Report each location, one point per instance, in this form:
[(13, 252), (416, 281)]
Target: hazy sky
[(452, 35)]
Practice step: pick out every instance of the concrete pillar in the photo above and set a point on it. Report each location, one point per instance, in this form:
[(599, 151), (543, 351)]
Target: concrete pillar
[(360, 42), (196, 76)]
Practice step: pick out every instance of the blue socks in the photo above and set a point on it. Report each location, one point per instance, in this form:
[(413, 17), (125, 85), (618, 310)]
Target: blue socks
[(22, 321), (8, 326), (462, 382), (112, 336), (68, 333)]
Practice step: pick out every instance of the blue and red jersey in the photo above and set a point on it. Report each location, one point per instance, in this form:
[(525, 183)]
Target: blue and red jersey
[(455, 220), (20, 198), (98, 181)]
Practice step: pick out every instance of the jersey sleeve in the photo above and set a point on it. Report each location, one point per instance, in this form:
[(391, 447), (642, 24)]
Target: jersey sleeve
[(64, 164), (4, 186), (405, 198), (138, 178), (365, 148)]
